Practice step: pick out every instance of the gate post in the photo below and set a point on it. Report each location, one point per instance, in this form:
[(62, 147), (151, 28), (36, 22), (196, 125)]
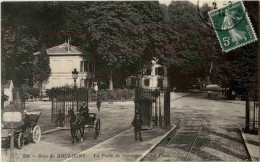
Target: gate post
[(52, 110), (77, 99), (160, 113), (167, 109)]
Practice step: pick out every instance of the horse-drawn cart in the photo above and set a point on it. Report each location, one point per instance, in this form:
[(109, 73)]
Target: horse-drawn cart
[(80, 121), (28, 132), (93, 122)]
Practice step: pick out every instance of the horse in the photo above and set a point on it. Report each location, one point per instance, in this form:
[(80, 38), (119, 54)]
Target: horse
[(77, 123)]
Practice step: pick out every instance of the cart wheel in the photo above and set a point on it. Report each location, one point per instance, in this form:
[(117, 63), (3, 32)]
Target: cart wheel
[(36, 134), (97, 128), (20, 140)]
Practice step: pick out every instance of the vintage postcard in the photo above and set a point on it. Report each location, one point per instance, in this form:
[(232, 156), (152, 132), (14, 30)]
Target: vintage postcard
[(129, 81)]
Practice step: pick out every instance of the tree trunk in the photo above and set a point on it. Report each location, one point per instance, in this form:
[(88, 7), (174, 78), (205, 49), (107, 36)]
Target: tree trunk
[(40, 89), (111, 80)]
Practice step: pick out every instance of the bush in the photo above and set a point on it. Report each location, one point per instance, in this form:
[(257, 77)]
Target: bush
[(103, 94), (28, 92)]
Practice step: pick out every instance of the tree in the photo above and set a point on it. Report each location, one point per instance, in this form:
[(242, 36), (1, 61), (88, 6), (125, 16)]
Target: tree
[(185, 44), (42, 69), (117, 33), (21, 31)]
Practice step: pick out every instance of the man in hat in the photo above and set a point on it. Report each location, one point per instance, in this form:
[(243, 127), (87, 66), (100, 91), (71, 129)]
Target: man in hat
[(98, 103), (83, 110), (137, 123)]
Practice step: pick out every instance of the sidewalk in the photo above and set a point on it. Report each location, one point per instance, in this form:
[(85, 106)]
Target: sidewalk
[(123, 147), (252, 143)]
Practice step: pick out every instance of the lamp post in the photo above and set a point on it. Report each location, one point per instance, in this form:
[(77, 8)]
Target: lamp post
[(75, 76)]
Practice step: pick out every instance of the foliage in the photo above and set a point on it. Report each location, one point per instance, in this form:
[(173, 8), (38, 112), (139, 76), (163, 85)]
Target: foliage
[(28, 92), (123, 37), (103, 95), (22, 31), (42, 68)]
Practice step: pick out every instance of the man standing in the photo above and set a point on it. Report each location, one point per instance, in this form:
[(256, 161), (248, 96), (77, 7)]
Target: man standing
[(98, 103), (137, 123), (83, 110)]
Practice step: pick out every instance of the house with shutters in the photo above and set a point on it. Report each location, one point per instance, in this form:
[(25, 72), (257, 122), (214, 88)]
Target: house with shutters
[(64, 58), (154, 77)]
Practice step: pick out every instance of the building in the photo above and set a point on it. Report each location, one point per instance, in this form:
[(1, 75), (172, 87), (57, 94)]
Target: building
[(154, 77), (64, 59)]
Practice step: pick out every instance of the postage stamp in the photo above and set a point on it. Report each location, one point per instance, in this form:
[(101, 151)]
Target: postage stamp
[(233, 26)]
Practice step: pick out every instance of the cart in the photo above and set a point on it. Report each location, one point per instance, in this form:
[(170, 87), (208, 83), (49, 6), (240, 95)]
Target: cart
[(28, 132), (93, 122)]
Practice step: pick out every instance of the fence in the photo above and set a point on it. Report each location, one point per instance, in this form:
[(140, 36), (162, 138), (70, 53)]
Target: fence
[(65, 98)]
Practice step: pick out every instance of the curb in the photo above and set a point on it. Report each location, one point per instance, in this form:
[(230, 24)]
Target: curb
[(180, 97), (248, 149), (99, 144), (154, 145), (54, 130)]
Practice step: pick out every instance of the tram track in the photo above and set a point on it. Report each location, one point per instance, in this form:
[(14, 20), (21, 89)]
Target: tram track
[(185, 137)]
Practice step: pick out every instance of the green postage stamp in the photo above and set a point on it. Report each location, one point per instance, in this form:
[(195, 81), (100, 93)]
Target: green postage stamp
[(232, 26)]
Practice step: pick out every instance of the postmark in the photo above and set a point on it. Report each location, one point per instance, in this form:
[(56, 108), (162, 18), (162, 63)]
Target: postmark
[(232, 28)]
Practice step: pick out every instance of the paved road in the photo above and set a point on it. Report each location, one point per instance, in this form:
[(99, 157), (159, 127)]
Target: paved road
[(115, 118), (218, 139)]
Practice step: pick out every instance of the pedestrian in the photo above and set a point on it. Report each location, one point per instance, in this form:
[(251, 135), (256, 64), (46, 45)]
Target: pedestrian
[(99, 100), (209, 94), (137, 123), (98, 104), (83, 110)]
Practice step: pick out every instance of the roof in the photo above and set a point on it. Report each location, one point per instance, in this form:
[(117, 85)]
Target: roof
[(7, 83), (62, 49)]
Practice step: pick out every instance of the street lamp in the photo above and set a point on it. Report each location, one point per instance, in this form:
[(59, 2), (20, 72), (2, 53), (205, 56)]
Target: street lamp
[(75, 76)]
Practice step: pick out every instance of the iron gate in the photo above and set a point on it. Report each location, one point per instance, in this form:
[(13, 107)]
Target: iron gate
[(67, 98)]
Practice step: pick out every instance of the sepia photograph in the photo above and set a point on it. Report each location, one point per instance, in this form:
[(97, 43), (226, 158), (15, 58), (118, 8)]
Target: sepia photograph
[(130, 81)]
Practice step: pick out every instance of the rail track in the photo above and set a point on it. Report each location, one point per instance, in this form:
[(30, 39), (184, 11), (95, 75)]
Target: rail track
[(184, 138)]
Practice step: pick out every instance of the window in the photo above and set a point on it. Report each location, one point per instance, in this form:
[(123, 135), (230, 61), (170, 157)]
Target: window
[(147, 82), (160, 83), (159, 71), (83, 66)]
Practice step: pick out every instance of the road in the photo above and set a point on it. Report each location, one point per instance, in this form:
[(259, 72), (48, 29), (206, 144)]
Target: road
[(210, 131), (115, 118), (216, 123)]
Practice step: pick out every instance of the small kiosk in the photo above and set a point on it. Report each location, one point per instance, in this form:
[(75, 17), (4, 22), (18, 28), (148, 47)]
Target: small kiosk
[(144, 105)]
